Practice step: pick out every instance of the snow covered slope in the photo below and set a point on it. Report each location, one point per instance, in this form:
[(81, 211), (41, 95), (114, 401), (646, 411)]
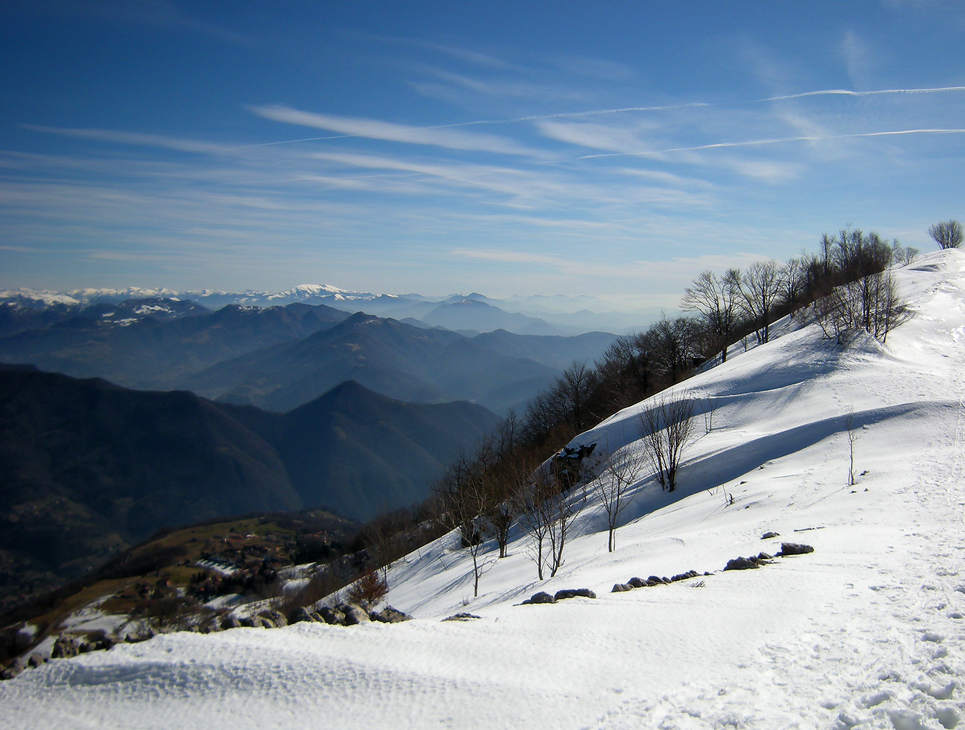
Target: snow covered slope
[(867, 631)]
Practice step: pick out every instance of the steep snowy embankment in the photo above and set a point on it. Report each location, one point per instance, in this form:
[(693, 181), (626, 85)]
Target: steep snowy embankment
[(867, 631)]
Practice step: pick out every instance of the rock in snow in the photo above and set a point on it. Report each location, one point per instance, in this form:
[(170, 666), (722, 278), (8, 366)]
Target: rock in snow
[(793, 548), (574, 593), (541, 597)]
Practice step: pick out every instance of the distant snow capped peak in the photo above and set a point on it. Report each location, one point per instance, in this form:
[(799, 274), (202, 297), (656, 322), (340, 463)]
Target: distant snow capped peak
[(321, 288), (132, 292), (322, 292), (43, 296)]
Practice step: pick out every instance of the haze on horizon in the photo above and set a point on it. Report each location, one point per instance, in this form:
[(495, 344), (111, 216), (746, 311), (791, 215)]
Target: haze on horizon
[(612, 150)]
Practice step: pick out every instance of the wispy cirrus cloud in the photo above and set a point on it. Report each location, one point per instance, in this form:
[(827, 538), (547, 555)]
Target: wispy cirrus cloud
[(667, 178), (676, 270), (449, 86), (514, 257), (179, 144), (522, 186), (149, 13), (611, 138), (601, 69), (859, 57), (603, 137), (471, 56), (441, 136)]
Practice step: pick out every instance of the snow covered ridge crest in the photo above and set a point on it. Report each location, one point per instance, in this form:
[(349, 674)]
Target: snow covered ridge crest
[(866, 632), (301, 293)]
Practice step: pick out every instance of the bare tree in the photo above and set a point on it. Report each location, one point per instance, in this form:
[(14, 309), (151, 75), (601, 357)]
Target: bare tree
[(570, 396), (716, 299), (871, 303), (508, 477), (465, 494), (858, 255), (619, 474), (852, 437), (814, 283), (540, 419), (500, 517), (623, 372), (535, 507), (545, 513), (676, 346), (901, 255), (826, 257), (562, 509), (760, 287), (791, 282), (947, 234), (667, 427), (887, 308), (383, 537), (710, 407)]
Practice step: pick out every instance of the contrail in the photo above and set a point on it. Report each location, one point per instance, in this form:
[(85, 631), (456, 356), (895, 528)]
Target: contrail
[(700, 104), (846, 92), (591, 113), (779, 140), (292, 141)]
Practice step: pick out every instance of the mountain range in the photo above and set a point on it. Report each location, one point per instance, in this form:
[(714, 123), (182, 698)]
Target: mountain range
[(282, 357), (397, 359), (87, 467), (147, 344), (472, 313)]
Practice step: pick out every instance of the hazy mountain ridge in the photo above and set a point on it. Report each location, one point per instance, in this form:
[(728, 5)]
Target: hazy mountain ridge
[(399, 360), (559, 314), (158, 353), (374, 453), (282, 357), (87, 467)]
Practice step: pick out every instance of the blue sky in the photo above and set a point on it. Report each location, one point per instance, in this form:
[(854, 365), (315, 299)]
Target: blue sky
[(613, 149)]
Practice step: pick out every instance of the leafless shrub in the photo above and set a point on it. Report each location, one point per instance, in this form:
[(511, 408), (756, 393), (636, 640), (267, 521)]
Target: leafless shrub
[(369, 589), (853, 436), (618, 475), (532, 505), (717, 299), (871, 303), (562, 509), (667, 427), (464, 492), (173, 612), (710, 404), (761, 286), (947, 234)]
